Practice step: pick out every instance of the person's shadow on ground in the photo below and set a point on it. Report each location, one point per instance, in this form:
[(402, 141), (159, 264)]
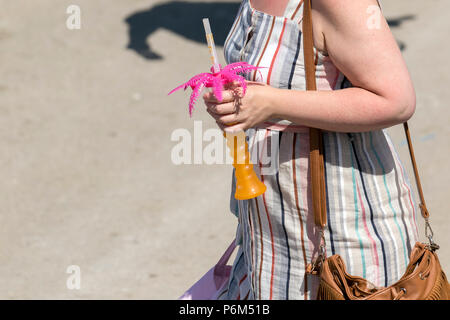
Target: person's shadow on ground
[(185, 19)]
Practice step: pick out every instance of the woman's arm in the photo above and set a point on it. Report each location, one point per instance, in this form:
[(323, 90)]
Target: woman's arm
[(382, 96)]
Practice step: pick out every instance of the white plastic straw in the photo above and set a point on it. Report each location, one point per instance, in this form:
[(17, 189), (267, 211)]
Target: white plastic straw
[(211, 45)]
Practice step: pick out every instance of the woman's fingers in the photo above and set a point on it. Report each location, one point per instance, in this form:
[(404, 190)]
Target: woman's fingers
[(228, 119), (231, 128), (235, 128), (225, 112), (222, 108), (227, 96), (225, 119), (214, 115)]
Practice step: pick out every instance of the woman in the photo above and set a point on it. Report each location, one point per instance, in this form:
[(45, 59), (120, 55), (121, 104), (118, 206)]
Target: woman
[(364, 87)]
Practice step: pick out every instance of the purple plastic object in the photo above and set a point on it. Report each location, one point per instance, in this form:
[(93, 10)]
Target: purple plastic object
[(212, 283)]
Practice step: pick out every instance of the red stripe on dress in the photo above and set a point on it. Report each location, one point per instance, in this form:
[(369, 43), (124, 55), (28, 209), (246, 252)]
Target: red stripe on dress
[(260, 230), (296, 10), (410, 200), (294, 178), (243, 278), (270, 223), (262, 247), (366, 228), (250, 220), (251, 240), (265, 47), (276, 51), (240, 282), (406, 186)]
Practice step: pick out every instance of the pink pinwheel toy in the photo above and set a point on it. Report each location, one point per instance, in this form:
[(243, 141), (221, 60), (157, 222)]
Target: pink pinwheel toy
[(216, 80), (248, 185)]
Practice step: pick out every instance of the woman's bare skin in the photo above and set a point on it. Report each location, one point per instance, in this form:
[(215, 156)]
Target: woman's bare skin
[(383, 94)]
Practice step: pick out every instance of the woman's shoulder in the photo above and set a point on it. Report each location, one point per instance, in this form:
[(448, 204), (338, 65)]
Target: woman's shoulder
[(331, 15)]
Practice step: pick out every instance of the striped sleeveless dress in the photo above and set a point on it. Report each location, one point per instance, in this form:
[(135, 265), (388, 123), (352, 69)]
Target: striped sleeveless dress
[(371, 209)]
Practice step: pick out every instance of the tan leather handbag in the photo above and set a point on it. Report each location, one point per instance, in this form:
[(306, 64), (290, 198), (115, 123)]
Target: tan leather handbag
[(424, 278)]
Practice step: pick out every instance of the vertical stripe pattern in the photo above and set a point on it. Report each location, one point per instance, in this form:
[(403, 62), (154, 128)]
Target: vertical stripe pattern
[(370, 206)]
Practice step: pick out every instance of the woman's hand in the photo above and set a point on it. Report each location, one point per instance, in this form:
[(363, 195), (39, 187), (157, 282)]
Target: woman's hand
[(238, 112)]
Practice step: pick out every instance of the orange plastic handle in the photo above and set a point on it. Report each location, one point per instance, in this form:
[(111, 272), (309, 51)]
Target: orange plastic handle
[(248, 185)]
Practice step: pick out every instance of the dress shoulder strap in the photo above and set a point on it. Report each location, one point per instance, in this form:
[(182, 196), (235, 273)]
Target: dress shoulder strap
[(294, 10)]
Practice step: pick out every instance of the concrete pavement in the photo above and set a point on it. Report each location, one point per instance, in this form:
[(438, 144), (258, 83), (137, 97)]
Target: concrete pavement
[(85, 144)]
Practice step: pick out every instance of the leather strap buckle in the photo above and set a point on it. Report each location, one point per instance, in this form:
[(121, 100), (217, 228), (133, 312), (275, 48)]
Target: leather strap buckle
[(433, 246), (316, 265)]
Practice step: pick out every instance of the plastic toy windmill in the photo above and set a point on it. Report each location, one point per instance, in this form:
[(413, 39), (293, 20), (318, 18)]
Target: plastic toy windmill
[(248, 185)]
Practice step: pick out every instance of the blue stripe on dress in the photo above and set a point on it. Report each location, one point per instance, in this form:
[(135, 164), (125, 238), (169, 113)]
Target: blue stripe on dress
[(294, 64), (330, 230), (402, 210), (371, 216), (355, 198), (389, 197), (289, 266), (283, 217), (389, 237)]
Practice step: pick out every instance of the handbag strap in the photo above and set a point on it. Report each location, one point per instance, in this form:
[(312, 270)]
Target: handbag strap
[(317, 168), (316, 138), (227, 254)]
